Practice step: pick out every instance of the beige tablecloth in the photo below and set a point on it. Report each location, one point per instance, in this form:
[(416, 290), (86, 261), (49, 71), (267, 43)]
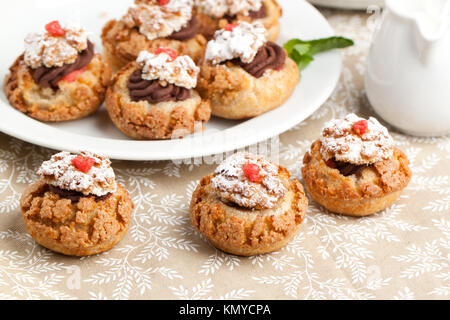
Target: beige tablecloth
[(401, 253)]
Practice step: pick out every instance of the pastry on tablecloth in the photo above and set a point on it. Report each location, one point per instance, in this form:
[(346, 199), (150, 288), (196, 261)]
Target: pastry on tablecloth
[(155, 98), (243, 74), (249, 206), (77, 208), (214, 14), (152, 24), (59, 77), (354, 168)]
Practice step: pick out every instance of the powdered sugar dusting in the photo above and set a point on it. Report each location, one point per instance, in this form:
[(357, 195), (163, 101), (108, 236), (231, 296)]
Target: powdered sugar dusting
[(51, 51), (181, 72), (155, 21), (242, 42), (220, 8), (232, 184), (172, 5), (213, 8), (243, 6), (341, 142), (60, 172)]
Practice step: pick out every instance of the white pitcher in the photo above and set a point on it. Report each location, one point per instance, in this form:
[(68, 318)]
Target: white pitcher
[(408, 71)]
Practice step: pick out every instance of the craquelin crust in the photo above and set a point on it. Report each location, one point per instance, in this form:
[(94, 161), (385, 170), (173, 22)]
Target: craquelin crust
[(235, 94), (71, 101), (209, 25), (142, 120), (78, 228), (372, 189), (247, 232), (122, 45)]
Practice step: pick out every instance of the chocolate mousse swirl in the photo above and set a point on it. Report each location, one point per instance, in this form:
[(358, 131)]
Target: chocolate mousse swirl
[(153, 92), (347, 169), (75, 196), (188, 32), (270, 56), (49, 77)]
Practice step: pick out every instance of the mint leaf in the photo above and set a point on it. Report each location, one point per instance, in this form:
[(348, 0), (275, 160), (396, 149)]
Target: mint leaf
[(327, 44), (289, 46), (303, 48), (304, 61), (302, 51)]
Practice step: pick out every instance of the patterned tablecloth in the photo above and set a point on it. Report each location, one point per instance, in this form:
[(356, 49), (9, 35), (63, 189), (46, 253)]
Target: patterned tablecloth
[(400, 253)]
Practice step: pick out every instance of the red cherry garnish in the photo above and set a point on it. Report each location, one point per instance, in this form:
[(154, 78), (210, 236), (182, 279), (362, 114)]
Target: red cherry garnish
[(55, 29), (361, 127), (163, 2), (230, 26), (251, 170), (71, 77), (83, 164), (172, 53)]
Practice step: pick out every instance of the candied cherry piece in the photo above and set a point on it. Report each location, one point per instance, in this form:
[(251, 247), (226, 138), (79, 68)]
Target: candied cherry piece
[(172, 53), (361, 127), (55, 29), (230, 26), (71, 77), (251, 170), (84, 164), (163, 2)]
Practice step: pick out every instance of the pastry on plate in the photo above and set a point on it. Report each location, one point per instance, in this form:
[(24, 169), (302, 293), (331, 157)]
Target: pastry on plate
[(59, 77), (154, 97), (243, 74), (76, 207), (152, 24), (214, 14), (354, 168), (248, 206)]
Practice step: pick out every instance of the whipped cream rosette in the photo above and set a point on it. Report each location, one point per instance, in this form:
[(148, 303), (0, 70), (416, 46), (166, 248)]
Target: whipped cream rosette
[(248, 181), (356, 140), (167, 66), (241, 41), (55, 47), (87, 173), (220, 8), (159, 21)]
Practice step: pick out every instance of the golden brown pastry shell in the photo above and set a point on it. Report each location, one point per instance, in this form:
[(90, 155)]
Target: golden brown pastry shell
[(80, 228), (70, 102), (122, 44), (247, 232), (145, 121), (372, 189), (209, 25), (236, 94)]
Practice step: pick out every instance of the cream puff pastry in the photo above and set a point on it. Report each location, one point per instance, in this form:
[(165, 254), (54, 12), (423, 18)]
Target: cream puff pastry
[(243, 75), (152, 24), (354, 168), (59, 77), (155, 98), (249, 206), (76, 207)]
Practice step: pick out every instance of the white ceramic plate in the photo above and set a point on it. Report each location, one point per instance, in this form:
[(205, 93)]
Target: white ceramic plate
[(348, 4), (98, 134)]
